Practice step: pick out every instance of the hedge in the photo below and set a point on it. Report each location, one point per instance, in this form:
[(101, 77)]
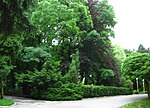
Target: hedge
[(90, 91), (66, 92), (73, 91)]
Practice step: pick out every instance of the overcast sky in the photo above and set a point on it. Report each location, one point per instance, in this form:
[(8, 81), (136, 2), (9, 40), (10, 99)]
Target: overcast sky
[(133, 17)]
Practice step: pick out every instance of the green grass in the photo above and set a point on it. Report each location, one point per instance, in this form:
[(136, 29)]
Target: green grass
[(144, 103), (5, 102)]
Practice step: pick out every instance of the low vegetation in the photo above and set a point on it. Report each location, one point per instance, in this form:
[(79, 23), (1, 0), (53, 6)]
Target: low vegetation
[(145, 103), (6, 102), (98, 91), (78, 91)]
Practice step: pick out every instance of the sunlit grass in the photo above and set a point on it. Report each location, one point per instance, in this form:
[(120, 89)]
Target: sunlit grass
[(144, 103), (6, 102)]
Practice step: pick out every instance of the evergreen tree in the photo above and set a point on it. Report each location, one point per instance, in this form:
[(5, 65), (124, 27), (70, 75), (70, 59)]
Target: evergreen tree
[(141, 49), (13, 26)]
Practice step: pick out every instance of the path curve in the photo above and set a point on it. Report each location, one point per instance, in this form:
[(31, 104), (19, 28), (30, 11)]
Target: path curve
[(101, 102)]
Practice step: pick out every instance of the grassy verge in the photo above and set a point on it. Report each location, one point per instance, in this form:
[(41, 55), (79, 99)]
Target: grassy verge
[(144, 103), (5, 102)]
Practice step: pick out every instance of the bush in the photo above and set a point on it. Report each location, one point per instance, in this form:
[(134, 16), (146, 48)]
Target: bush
[(126, 83), (74, 91), (6, 102), (66, 92), (136, 92), (98, 91)]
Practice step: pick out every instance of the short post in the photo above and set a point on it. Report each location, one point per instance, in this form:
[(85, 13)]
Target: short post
[(143, 85), (137, 85), (83, 80)]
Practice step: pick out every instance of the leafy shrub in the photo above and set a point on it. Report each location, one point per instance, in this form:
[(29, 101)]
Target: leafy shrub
[(73, 91), (136, 92), (78, 91), (6, 102), (66, 92), (98, 91), (126, 83)]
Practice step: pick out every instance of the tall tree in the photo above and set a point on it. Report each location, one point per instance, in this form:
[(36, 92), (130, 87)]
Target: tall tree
[(137, 65), (141, 49), (5, 67), (119, 55), (99, 43), (13, 25), (63, 23)]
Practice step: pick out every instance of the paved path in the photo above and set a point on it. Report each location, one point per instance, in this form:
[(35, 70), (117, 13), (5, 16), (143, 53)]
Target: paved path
[(102, 102)]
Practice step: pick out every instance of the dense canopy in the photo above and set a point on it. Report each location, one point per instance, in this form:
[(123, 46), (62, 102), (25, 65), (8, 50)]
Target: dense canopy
[(48, 45)]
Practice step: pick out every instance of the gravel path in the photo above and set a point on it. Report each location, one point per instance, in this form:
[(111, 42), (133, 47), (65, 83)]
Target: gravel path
[(102, 102)]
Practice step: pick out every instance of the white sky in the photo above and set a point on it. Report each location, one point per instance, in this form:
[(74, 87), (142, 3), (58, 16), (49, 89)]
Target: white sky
[(133, 17)]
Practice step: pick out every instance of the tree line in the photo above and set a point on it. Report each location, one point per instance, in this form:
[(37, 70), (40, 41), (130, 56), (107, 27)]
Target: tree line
[(48, 43)]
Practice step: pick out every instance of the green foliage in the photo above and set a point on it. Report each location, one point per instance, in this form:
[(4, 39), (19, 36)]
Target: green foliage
[(63, 22), (97, 41), (10, 41), (141, 49), (126, 83), (6, 102), (105, 76), (32, 54), (103, 18), (66, 92), (72, 75), (12, 19), (137, 66), (39, 81), (73, 91), (128, 52), (119, 55), (93, 34), (106, 73), (98, 91), (31, 58), (11, 45), (49, 44), (144, 103), (5, 66)]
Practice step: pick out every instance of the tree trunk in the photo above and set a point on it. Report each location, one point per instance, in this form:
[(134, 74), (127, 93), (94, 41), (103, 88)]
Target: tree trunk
[(148, 89), (2, 90)]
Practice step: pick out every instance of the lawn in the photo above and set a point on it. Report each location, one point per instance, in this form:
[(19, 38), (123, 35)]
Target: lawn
[(5, 102), (144, 103)]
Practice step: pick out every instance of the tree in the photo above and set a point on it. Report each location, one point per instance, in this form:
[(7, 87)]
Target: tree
[(30, 62), (53, 42), (137, 65), (119, 55), (13, 26), (12, 17), (141, 49), (73, 74), (5, 68), (62, 22), (128, 52), (97, 41)]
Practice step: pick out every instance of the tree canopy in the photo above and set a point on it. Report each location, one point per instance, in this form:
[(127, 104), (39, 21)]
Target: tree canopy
[(52, 44), (137, 65)]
